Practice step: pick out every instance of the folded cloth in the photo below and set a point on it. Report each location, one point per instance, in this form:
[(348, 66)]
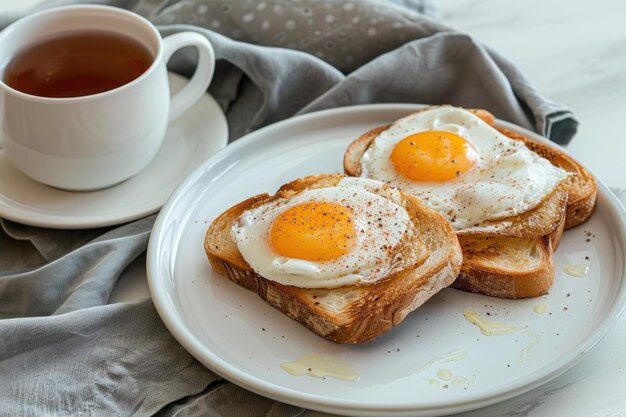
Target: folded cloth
[(357, 53), (65, 351)]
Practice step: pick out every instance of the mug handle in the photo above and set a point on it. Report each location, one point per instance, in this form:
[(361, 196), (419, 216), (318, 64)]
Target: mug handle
[(201, 78)]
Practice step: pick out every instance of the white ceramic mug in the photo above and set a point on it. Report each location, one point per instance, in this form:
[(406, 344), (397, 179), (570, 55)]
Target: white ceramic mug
[(95, 141)]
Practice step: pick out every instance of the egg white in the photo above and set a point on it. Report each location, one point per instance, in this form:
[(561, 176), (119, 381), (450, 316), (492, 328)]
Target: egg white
[(507, 180), (380, 220)]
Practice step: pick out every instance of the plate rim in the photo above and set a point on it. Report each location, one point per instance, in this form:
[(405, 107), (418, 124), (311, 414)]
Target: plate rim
[(32, 217), (322, 403)]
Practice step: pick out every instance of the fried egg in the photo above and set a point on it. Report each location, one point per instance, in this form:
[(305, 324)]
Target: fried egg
[(329, 237), (460, 166)]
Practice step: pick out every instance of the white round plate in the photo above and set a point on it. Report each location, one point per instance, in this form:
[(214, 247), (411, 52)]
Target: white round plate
[(190, 139), (237, 335)]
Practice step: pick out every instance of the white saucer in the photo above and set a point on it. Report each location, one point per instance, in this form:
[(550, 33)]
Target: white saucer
[(190, 139)]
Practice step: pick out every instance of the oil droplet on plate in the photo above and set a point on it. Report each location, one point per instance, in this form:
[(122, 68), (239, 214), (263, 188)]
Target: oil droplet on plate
[(449, 376), (525, 353), (492, 328), (432, 381), (488, 327), (449, 356), (445, 374), (578, 271), (320, 365), (541, 308)]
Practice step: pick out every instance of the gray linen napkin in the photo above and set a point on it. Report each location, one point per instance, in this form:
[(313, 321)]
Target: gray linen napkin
[(64, 351)]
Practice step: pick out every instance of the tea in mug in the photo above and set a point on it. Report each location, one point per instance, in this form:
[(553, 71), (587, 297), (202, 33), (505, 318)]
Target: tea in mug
[(78, 63)]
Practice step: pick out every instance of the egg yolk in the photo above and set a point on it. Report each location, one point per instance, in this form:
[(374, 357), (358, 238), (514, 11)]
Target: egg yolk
[(433, 155), (315, 231)]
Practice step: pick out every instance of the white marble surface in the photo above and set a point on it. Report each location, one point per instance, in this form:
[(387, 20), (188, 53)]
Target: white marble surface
[(575, 53)]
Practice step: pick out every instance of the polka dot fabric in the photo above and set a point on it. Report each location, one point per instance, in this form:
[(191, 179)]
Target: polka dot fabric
[(355, 52), (346, 34)]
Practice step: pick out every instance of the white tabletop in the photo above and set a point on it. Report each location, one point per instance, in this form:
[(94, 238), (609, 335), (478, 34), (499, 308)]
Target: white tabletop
[(575, 53)]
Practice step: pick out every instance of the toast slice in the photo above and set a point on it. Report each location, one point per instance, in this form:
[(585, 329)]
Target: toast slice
[(352, 313), (488, 269), (506, 267)]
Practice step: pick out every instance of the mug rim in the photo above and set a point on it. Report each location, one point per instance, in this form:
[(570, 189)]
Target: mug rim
[(89, 97)]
